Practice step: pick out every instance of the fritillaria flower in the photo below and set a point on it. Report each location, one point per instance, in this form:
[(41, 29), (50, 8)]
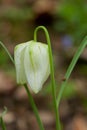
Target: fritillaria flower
[(32, 64)]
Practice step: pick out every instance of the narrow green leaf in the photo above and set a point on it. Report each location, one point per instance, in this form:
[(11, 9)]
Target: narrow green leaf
[(7, 51), (70, 68)]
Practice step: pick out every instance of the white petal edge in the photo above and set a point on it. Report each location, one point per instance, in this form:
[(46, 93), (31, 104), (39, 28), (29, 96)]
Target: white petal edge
[(18, 58)]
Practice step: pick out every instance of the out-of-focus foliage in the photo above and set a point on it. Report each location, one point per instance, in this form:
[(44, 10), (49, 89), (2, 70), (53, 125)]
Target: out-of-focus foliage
[(15, 21), (68, 17), (70, 90), (72, 18), (13, 14)]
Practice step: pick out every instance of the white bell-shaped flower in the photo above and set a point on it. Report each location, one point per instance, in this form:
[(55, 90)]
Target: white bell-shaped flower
[(32, 64)]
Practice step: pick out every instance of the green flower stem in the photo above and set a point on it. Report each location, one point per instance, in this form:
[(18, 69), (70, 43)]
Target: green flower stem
[(31, 101), (70, 68), (2, 123), (7, 51), (1, 119), (52, 73)]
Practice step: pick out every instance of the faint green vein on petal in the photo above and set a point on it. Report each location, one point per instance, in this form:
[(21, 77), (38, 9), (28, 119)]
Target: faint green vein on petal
[(36, 66)]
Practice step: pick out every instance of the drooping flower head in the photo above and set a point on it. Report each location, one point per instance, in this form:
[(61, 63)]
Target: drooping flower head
[(32, 64)]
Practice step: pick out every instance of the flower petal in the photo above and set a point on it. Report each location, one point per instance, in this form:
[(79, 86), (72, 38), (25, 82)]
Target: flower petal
[(19, 58), (36, 64)]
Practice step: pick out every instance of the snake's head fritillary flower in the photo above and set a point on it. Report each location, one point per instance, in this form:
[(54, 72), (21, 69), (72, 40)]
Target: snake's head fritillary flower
[(32, 64)]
